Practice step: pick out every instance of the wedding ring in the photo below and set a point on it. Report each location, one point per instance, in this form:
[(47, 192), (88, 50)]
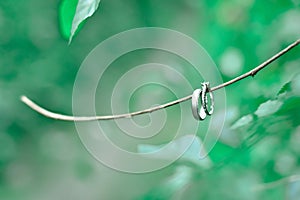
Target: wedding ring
[(205, 90), (200, 111), (199, 114)]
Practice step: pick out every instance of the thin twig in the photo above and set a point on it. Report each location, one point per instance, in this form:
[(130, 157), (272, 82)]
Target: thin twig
[(57, 116)]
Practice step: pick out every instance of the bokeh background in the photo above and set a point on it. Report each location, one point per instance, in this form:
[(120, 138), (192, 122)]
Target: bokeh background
[(258, 154)]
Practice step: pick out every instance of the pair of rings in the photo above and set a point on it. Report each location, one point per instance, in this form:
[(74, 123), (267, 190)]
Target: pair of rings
[(201, 111)]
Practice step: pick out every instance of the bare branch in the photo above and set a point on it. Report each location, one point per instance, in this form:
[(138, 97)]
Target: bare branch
[(259, 67), (57, 116)]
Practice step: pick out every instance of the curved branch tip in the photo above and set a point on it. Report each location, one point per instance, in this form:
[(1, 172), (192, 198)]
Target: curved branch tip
[(57, 116)]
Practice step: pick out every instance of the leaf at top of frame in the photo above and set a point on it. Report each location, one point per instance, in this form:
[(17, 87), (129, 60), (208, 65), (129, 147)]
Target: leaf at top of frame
[(72, 13)]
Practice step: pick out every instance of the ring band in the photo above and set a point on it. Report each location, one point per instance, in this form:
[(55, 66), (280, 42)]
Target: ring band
[(198, 114), (205, 90)]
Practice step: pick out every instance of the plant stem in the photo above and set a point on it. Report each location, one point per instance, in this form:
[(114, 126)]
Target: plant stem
[(58, 116)]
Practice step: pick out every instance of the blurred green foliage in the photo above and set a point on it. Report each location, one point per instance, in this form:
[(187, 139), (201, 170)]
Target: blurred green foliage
[(42, 158)]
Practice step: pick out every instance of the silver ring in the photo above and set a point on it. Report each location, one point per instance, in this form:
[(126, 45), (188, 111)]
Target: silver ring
[(205, 90), (198, 114)]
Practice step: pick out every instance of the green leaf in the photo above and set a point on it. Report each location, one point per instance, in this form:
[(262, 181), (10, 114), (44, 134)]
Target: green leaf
[(194, 153), (291, 107), (285, 88), (67, 11), (72, 13), (292, 87), (295, 85), (268, 108), (84, 9), (242, 121), (287, 91)]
